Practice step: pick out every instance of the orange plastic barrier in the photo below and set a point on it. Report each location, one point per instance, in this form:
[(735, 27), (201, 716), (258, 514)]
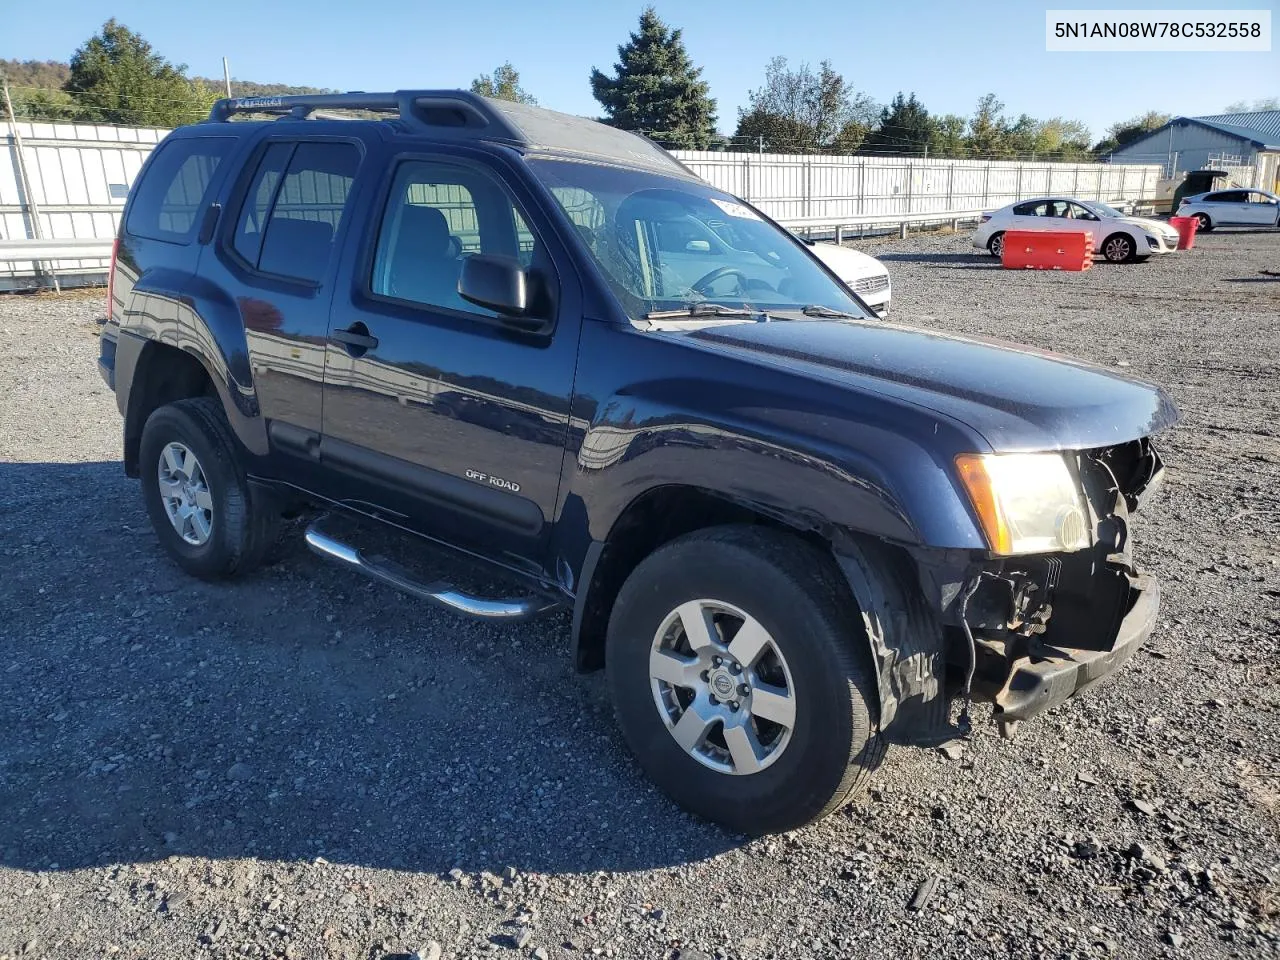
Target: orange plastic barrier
[(1186, 227), (1047, 250)]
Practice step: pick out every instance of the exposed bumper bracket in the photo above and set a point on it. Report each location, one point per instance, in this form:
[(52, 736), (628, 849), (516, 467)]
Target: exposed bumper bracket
[(1050, 675)]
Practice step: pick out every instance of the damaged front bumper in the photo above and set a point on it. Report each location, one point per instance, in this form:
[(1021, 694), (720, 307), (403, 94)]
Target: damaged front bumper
[(1024, 633), (1047, 675)]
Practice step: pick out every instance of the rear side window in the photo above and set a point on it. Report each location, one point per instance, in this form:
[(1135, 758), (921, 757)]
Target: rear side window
[(1032, 209), (168, 203), (294, 207), (257, 203)]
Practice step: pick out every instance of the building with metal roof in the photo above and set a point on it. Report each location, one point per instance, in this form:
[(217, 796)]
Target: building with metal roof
[(1246, 145)]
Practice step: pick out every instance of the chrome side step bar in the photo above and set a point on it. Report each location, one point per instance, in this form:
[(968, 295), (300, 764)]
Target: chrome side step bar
[(439, 593)]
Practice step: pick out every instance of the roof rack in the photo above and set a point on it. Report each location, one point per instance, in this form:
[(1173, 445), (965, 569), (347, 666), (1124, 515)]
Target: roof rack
[(467, 114)]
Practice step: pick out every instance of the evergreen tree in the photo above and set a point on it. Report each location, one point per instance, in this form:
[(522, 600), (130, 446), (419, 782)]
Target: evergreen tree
[(116, 77), (502, 84), (905, 128), (656, 89), (42, 104)]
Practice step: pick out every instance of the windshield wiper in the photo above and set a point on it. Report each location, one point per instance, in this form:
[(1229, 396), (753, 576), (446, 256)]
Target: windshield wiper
[(705, 310), (818, 310)]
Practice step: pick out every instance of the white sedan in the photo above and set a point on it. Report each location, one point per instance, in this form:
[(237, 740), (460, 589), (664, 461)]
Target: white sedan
[(1223, 208), (1115, 236), (863, 274)]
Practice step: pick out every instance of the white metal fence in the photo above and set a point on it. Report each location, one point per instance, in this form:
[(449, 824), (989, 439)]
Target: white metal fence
[(77, 177), (838, 190)]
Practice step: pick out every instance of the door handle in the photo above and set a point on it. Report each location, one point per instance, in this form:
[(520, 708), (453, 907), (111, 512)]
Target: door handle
[(356, 338)]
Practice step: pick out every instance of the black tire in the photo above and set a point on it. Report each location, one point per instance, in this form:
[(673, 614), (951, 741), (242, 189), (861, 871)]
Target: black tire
[(244, 524), (799, 596), (995, 245), (1204, 224), (1119, 248)]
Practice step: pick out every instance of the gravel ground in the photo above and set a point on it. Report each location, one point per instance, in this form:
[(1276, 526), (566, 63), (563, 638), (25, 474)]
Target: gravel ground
[(302, 766)]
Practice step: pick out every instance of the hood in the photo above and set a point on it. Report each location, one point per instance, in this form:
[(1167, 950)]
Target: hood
[(848, 264), (1151, 226), (1017, 398)]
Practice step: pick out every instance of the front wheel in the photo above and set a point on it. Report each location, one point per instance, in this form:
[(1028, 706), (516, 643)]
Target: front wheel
[(1119, 248), (741, 678)]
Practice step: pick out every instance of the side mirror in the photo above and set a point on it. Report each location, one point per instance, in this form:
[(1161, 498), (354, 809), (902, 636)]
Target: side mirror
[(500, 284)]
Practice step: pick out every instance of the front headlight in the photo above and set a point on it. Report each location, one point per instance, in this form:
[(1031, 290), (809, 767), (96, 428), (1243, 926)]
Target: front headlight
[(1026, 502)]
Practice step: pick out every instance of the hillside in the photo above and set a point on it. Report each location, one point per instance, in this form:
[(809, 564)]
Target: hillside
[(52, 74)]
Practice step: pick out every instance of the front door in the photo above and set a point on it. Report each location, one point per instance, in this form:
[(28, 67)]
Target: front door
[(435, 409), (1083, 219), (1260, 209)]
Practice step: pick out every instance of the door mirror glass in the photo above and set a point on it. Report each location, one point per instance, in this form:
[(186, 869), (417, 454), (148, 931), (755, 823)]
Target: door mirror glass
[(499, 283)]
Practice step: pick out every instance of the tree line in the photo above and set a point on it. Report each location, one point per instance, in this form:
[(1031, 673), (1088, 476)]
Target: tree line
[(117, 77), (654, 88)]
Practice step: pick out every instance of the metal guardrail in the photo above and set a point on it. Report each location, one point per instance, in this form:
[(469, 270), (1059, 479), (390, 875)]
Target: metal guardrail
[(83, 249), (901, 220)]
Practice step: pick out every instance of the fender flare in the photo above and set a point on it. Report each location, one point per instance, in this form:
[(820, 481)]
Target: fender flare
[(199, 320), (904, 636)]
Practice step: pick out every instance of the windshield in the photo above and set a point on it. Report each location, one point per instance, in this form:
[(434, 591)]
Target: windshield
[(667, 244), (1101, 209)]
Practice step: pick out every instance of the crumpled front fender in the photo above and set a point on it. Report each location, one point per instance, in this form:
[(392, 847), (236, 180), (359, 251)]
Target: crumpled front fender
[(905, 639)]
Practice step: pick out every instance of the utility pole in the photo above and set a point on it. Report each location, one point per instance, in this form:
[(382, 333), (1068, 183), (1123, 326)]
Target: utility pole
[(226, 76), (25, 182)]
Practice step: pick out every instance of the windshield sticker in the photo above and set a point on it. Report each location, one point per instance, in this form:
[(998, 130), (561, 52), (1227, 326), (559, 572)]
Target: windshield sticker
[(735, 209)]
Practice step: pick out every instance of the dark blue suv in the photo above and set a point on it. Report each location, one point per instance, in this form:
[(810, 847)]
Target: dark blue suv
[(790, 532)]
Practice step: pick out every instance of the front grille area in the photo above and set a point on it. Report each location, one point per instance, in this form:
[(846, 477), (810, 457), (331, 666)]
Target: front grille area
[(871, 284)]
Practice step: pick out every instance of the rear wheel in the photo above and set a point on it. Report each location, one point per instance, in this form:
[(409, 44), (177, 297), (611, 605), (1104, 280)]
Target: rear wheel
[(1119, 248), (208, 518), (1203, 223), (741, 680), (995, 246)]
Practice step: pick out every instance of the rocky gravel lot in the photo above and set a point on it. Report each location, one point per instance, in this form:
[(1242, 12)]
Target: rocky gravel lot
[(302, 766)]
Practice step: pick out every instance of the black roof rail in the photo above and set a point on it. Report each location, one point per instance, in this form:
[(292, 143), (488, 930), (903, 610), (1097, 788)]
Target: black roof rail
[(467, 115)]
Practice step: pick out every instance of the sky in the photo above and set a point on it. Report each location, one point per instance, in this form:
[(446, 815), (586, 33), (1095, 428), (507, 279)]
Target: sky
[(948, 53)]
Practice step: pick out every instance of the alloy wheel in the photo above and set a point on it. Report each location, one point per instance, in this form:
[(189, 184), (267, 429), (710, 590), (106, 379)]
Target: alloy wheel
[(722, 687), (185, 494), (1118, 248)]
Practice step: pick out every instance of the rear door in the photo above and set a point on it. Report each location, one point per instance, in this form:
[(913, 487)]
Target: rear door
[(1029, 216), (437, 411), (1227, 206), (276, 260)]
